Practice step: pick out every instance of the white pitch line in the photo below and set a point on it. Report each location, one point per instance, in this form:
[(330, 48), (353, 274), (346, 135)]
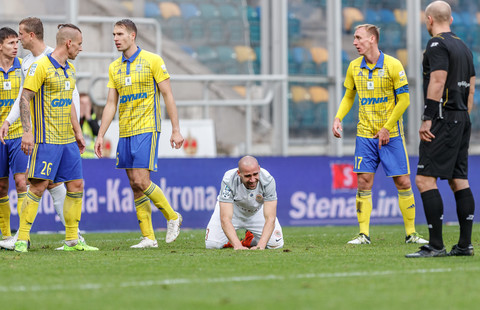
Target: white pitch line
[(96, 286)]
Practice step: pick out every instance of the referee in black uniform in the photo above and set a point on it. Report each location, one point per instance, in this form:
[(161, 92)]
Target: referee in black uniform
[(449, 85)]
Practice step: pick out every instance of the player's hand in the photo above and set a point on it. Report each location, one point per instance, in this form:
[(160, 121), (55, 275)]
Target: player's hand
[(383, 137), (176, 140), (241, 247), (424, 132), (4, 131), (337, 128), (27, 143), (81, 143), (257, 248), (98, 147)]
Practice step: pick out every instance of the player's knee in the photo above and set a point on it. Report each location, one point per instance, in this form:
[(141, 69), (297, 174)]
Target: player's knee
[(275, 245), (213, 244)]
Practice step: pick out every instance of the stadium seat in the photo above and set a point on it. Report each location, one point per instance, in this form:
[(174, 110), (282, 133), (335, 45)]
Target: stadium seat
[(216, 31), (151, 9), (402, 55), (392, 36), (169, 9), (228, 11), (319, 54), (318, 94), (372, 16), (253, 13), (245, 53), (227, 59), (387, 16), (350, 16), (254, 32), (174, 28), (189, 10), (196, 29), (236, 31), (294, 29), (299, 94), (400, 16), (208, 11)]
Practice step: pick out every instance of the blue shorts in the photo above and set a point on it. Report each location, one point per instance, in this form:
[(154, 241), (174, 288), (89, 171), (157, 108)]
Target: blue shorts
[(56, 162), (12, 157), (393, 156), (139, 151)]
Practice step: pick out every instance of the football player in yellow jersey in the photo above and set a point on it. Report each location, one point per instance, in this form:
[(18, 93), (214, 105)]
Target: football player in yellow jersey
[(382, 88), (52, 136), (136, 81), (11, 157)]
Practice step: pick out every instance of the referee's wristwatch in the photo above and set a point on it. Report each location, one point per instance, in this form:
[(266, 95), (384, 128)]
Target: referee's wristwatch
[(426, 118)]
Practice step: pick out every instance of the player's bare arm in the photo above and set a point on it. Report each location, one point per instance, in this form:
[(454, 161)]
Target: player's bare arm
[(27, 139), (176, 140), (434, 92), (107, 117), (270, 213), (471, 93), (77, 131), (226, 215)]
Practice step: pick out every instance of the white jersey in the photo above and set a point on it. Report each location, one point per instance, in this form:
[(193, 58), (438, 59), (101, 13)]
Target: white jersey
[(247, 200), (26, 63)]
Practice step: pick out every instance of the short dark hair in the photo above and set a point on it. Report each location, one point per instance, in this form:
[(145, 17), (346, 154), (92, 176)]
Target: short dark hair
[(33, 24), (128, 24), (6, 33), (60, 26)]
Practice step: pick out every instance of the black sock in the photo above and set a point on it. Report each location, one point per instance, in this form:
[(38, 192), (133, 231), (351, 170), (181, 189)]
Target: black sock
[(433, 207), (465, 211)]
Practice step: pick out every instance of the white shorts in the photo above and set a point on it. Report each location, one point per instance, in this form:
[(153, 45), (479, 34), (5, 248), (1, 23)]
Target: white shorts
[(215, 238)]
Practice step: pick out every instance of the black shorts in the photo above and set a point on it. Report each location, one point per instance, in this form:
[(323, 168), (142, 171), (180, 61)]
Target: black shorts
[(446, 157)]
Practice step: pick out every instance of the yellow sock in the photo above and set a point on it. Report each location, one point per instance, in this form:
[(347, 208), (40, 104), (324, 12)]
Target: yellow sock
[(5, 216), (21, 197), (144, 216), (72, 211), (28, 213), (406, 202), (364, 210), (160, 201)]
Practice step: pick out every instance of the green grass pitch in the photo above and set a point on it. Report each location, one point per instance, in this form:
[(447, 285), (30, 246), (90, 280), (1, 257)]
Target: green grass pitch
[(315, 270)]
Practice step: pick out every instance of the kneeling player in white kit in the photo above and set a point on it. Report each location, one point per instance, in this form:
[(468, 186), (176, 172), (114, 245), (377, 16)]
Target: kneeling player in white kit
[(247, 200)]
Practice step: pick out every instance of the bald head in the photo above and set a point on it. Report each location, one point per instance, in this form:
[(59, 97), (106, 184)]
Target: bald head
[(247, 162), (440, 11)]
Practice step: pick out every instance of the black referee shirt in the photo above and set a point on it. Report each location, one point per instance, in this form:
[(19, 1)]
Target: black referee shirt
[(447, 52)]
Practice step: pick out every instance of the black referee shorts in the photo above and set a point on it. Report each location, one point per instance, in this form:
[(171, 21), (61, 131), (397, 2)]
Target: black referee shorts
[(446, 157)]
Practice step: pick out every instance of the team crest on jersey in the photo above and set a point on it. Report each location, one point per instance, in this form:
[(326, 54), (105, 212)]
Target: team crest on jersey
[(259, 198), (226, 192), (401, 73), (164, 68), (32, 70)]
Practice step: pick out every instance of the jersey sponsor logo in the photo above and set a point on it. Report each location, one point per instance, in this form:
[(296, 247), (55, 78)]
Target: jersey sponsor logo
[(463, 84), (259, 198), (401, 73), (368, 101), (434, 44), (133, 97), (32, 70), (360, 73), (61, 102), (6, 102)]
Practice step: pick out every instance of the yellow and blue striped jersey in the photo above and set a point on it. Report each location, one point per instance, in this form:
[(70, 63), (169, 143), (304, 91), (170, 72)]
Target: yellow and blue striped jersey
[(377, 86), (135, 80), (51, 107), (10, 83)]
